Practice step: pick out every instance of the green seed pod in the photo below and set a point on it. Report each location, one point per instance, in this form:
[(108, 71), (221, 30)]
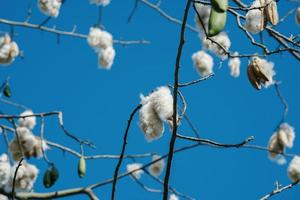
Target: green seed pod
[(50, 176), (81, 167), (7, 90), (216, 22), (220, 5)]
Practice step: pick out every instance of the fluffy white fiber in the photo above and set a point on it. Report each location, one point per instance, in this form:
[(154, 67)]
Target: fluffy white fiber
[(234, 65), (100, 2), (203, 63), (204, 12), (157, 168), (254, 18), (4, 170), (223, 40), (28, 122), (8, 50), (282, 138), (134, 166), (157, 107), (106, 57), (50, 7), (99, 38), (294, 169), (267, 68), (173, 197)]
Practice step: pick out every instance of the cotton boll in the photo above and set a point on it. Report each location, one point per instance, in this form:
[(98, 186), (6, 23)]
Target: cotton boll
[(274, 146), (173, 197), (40, 147), (100, 2), (28, 122), (150, 123), (162, 101), (234, 65), (8, 50), (136, 174), (157, 168), (26, 177), (294, 169), (50, 7), (268, 69), (223, 40), (286, 135), (4, 170), (98, 39), (255, 18), (106, 57), (203, 63), (204, 13)]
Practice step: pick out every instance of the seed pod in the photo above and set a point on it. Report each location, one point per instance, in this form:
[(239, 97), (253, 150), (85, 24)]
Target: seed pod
[(272, 13), (298, 15), (252, 78), (217, 21), (7, 90), (256, 64), (50, 176), (81, 167), (220, 5)]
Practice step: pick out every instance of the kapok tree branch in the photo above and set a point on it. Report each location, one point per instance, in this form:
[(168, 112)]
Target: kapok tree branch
[(175, 91), (122, 152)]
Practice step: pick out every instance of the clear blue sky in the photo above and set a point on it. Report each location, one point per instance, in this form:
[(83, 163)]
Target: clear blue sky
[(96, 103)]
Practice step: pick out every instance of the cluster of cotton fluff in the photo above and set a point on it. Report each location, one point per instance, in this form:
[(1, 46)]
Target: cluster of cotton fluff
[(282, 138), (203, 63), (234, 65), (28, 122), (26, 142), (157, 168), (268, 70), (25, 179), (173, 197), (4, 170), (8, 50), (100, 2), (204, 13), (50, 7), (135, 166), (294, 169), (102, 42), (222, 39), (254, 18), (157, 107)]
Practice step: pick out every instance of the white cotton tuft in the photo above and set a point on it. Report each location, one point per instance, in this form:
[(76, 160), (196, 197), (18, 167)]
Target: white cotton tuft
[(157, 168), (204, 13), (222, 39), (136, 174), (8, 50), (203, 63), (106, 57), (294, 169), (31, 145), (282, 138), (25, 179), (234, 65), (254, 18), (4, 170), (173, 197), (28, 122), (100, 2), (98, 39), (150, 123), (50, 7), (157, 107), (162, 101)]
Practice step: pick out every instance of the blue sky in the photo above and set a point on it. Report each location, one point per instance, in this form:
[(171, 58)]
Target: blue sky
[(96, 103)]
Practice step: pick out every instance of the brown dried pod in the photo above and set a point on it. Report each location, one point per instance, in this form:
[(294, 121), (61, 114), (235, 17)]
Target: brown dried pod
[(252, 77), (272, 12), (256, 63), (264, 19)]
